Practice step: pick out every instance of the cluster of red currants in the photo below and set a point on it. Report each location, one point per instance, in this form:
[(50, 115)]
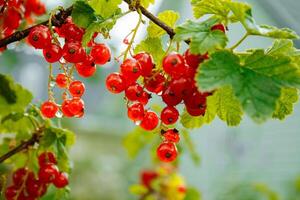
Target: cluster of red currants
[(28, 187), (174, 83), (13, 11), (72, 52)]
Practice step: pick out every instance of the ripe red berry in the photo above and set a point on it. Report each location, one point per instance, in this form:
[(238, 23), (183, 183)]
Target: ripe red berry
[(170, 98), (33, 185), (171, 135), (219, 27), (147, 177), (61, 180), (53, 53), (19, 175), (196, 100), (131, 70), (48, 173), (150, 121), (61, 80), (49, 109), (39, 8), (144, 98), (73, 52), (115, 83), (76, 88), (196, 111), (134, 92), (87, 68), (47, 158), (65, 108), (146, 63), (101, 54), (12, 19), (11, 192), (155, 83), (76, 106), (181, 87), (174, 65), (169, 115), (71, 32), (192, 60), (39, 37), (167, 152), (136, 112)]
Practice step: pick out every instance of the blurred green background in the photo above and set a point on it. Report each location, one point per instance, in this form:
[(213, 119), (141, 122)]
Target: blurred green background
[(232, 159)]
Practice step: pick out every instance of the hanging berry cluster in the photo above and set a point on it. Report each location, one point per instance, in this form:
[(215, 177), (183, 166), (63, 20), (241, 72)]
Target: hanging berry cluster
[(174, 84), (26, 186), (14, 11), (70, 56)]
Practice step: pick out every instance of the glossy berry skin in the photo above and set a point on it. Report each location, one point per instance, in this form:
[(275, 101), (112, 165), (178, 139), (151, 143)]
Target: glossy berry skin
[(47, 158), (147, 177), (155, 83), (192, 60), (61, 80), (101, 54), (197, 111), (71, 32), (174, 65), (48, 173), (11, 192), (73, 52), (136, 112), (181, 87), (65, 108), (134, 92), (167, 152), (196, 100), (53, 53), (61, 180), (19, 175), (150, 121), (170, 98), (219, 27), (49, 109), (12, 20), (76, 106), (146, 63), (87, 68), (76, 88), (39, 37), (169, 115), (131, 70), (171, 135), (144, 98), (33, 185), (115, 83)]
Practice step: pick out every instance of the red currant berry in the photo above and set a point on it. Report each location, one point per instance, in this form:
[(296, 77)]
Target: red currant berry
[(147, 177), (61, 180), (134, 92), (65, 108), (167, 152), (181, 87), (171, 135), (76, 88), (49, 109), (101, 54), (169, 115), (48, 173), (39, 37), (53, 53), (136, 112), (73, 52), (150, 121), (219, 27), (131, 70), (11, 192), (47, 158), (18, 176), (174, 65), (61, 80), (155, 83), (196, 100), (146, 63), (115, 83), (197, 111), (170, 98), (144, 98), (39, 9), (87, 68), (71, 32), (76, 106), (32, 185), (12, 19), (192, 60)]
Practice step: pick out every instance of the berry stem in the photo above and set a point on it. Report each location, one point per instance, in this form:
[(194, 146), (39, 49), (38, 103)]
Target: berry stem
[(50, 79), (240, 41)]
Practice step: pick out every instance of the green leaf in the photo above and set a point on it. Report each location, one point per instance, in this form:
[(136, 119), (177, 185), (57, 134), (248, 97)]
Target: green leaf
[(227, 106), (169, 17), (202, 38), (138, 189), (13, 97), (137, 140), (242, 12), (192, 122), (285, 103), (154, 47), (215, 7), (256, 91), (192, 194), (105, 8), (82, 14), (146, 3)]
